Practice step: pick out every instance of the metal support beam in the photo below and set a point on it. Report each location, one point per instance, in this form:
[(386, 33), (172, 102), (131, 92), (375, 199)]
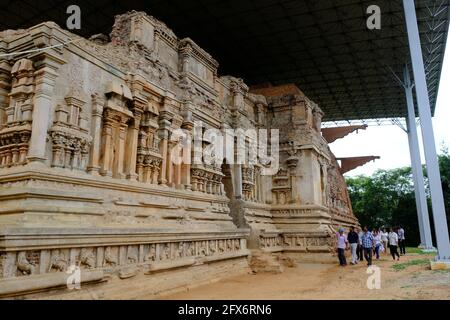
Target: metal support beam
[(416, 167), (423, 103)]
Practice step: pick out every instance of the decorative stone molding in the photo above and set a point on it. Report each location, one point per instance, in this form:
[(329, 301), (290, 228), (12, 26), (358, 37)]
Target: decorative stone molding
[(297, 242), (207, 180), (111, 258)]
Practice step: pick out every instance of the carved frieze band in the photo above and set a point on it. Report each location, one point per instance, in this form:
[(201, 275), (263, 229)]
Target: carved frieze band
[(296, 242), (30, 262)]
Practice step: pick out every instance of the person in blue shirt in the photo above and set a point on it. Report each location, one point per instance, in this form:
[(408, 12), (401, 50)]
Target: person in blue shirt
[(367, 244)]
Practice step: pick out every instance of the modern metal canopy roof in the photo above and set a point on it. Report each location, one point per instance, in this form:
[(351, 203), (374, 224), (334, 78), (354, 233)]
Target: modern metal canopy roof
[(322, 46)]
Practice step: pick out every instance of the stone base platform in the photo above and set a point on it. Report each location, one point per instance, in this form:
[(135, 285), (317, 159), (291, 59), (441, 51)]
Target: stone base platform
[(145, 286), (440, 265), (115, 263)]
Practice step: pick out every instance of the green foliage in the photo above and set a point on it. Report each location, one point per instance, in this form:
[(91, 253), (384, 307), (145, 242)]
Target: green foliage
[(444, 165), (387, 198)]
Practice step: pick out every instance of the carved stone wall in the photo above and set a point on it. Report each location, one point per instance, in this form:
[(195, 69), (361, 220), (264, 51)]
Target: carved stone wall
[(88, 132)]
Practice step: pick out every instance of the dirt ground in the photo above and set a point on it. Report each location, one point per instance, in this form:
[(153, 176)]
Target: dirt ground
[(410, 279)]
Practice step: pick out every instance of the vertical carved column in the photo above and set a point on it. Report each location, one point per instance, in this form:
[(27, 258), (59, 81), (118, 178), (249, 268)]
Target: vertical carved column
[(76, 155), (119, 157), (5, 86), (324, 182), (177, 181), (194, 180), (132, 145), (209, 183), (164, 125), (155, 172), (96, 132), (23, 149), (188, 126), (47, 66), (140, 167), (238, 180), (116, 118), (169, 167), (107, 145), (147, 170)]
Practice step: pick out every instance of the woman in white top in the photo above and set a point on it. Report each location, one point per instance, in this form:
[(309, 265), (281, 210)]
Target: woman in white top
[(384, 238), (393, 243), (378, 245)]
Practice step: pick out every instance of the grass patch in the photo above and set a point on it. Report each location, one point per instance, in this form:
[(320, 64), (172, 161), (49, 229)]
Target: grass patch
[(404, 265), (417, 251)]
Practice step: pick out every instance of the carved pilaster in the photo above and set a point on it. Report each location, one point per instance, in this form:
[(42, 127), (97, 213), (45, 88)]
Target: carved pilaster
[(132, 140), (107, 135), (46, 65), (188, 126), (5, 87), (116, 117), (96, 133), (16, 115), (119, 157), (164, 126)]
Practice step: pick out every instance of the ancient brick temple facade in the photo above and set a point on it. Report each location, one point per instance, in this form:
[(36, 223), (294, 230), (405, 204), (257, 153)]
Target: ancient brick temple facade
[(86, 177)]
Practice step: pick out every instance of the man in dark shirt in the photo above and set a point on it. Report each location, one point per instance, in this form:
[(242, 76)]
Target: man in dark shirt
[(352, 238)]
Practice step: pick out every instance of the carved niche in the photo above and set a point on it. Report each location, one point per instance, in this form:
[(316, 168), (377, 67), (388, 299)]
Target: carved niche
[(148, 154), (281, 189), (69, 133), (116, 116), (16, 131)]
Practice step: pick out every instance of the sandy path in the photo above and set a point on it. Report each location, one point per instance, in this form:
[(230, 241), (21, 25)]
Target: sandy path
[(326, 281)]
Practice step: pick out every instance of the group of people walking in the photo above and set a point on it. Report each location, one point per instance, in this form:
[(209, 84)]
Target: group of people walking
[(365, 243)]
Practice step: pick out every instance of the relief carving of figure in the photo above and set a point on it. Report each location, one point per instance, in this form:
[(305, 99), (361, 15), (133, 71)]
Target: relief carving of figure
[(203, 248), (87, 258), (221, 246), (132, 255), (165, 251), (229, 245), (279, 240), (263, 242), (287, 241), (110, 258), (151, 254), (57, 261), (300, 241), (25, 266), (212, 247), (237, 244), (190, 249), (180, 250), (311, 242)]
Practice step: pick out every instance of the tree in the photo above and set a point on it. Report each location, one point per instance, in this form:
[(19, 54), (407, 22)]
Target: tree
[(444, 167), (387, 198)]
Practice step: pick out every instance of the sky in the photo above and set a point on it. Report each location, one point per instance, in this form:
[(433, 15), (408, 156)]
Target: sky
[(390, 142)]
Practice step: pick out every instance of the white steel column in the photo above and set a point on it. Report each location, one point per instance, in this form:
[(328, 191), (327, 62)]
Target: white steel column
[(416, 167), (423, 103)]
